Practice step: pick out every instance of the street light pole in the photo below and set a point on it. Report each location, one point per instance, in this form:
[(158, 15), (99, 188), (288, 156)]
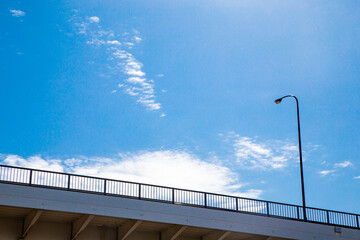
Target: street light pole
[(278, 101)]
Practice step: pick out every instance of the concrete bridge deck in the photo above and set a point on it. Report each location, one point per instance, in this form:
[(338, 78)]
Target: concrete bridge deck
[(28, 212)]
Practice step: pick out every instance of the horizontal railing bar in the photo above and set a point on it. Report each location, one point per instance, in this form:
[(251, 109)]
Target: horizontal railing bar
[(147, 184), (144, 184), (72, 174), (332, 211), (253, 206)]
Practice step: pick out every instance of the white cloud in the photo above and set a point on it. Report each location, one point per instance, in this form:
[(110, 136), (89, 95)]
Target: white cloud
[(115, 42), (337, 165), (133, 67), (139, 85), (136, 80), (134, 72), (17, 13), (95, 41), (343, 164), (358, 177), (94, 19), (266, 156), (34, 162), (325, 172), (120, 54), (159, 75), (130, 44), (132, 91), (121, 64), (170, 168), (137, 39), (150, 104), (82, 27)]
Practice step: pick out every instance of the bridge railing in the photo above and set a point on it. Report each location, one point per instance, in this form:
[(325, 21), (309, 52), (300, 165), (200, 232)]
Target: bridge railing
[(74, 182)]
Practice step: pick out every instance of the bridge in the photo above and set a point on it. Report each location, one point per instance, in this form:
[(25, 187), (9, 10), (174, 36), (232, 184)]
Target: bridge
[(38, 204)]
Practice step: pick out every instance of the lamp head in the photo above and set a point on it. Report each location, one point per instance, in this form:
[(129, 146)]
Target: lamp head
[(278, 101)]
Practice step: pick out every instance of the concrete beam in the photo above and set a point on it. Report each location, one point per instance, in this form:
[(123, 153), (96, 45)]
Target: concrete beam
[(126, 229), (218, 235), (79, 225), (172, 233), (30, 221)]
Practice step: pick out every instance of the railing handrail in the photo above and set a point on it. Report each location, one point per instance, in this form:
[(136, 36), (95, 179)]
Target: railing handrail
[(206, 195), (144, 184), (147, 184)]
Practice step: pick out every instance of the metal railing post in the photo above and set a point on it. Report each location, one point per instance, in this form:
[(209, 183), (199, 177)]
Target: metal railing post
[(298, 212), (139, 191), (267, 209), (173, 195), (30, 177), (68, 186), (357, 221), (205, 203), (105, 187), (327, 216), (237, 203)]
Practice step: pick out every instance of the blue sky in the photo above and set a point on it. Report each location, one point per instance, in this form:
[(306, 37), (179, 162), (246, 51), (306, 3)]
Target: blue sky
[(181, 93)]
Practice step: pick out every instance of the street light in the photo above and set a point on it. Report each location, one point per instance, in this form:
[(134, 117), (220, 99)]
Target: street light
[(278, 101)]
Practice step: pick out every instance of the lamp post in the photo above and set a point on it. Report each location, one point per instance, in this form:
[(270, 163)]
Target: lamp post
[(278, 101)]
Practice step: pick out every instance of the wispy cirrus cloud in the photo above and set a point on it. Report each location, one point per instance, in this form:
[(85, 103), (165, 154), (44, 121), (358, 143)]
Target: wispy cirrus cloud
[(326, 172), (114, 42), (16, 13), (121, 63), (253, 154), (337, 167), (343, 164), (137, 39), (94, 19), (171, 168)]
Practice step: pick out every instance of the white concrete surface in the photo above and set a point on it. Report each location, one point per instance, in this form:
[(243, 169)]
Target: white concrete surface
[(109, 206)]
